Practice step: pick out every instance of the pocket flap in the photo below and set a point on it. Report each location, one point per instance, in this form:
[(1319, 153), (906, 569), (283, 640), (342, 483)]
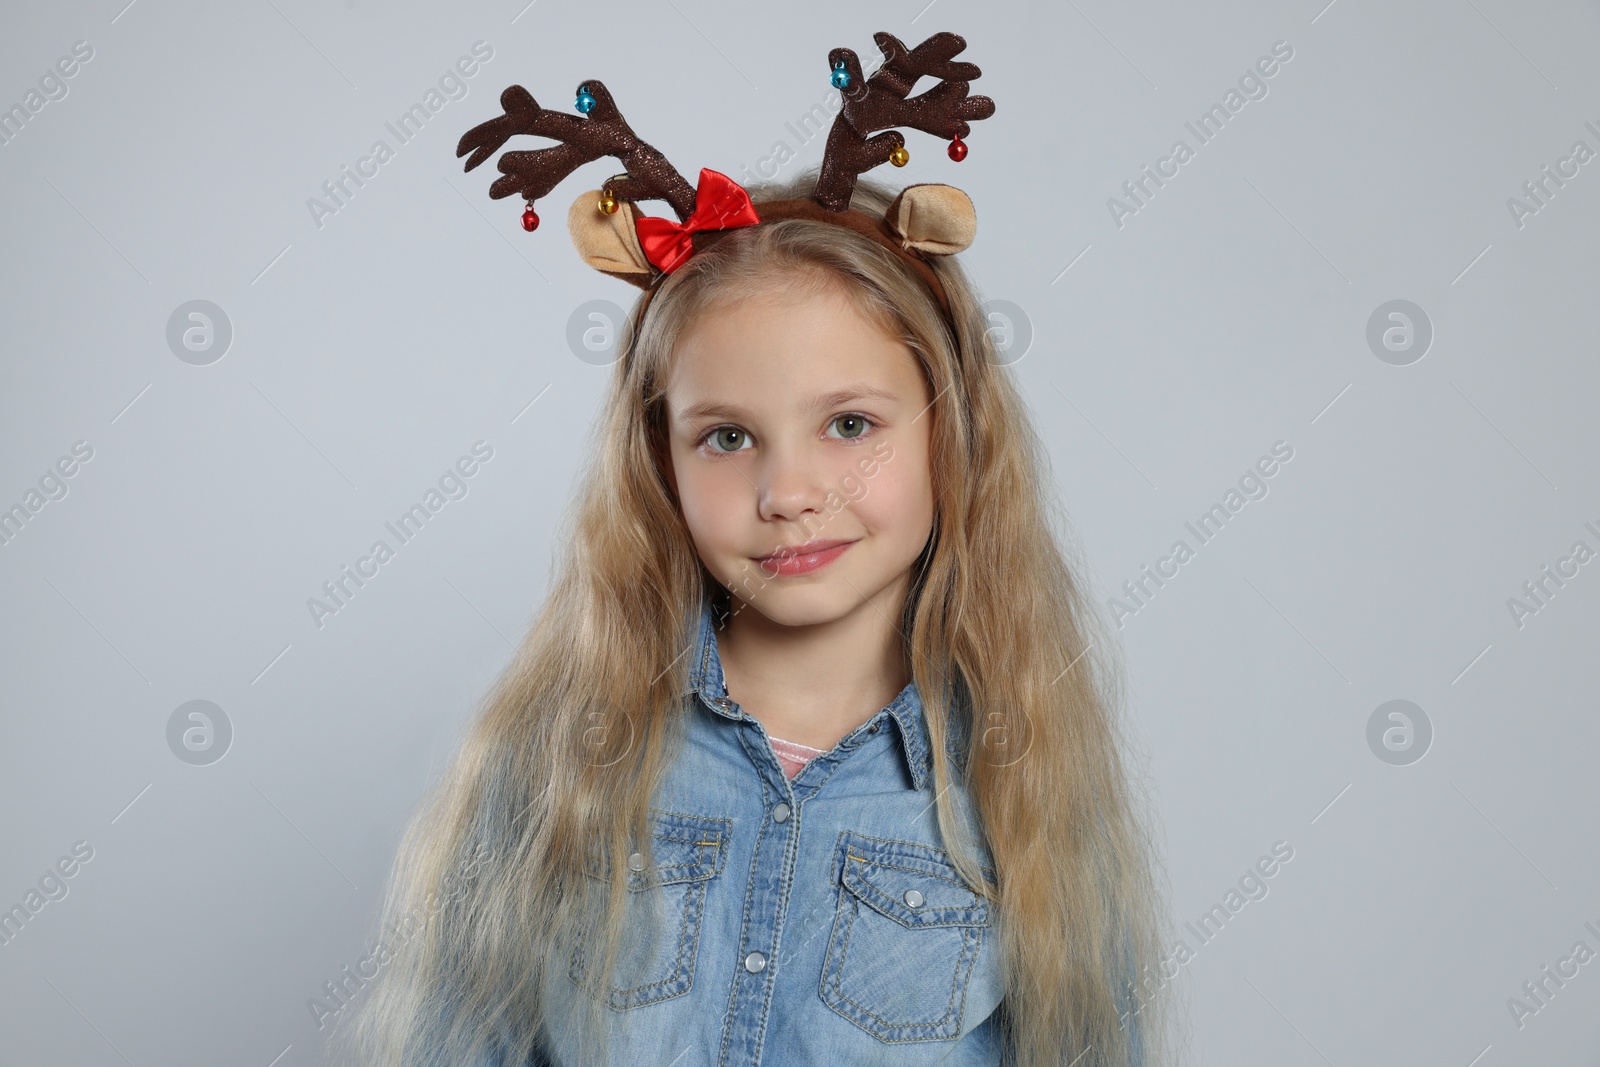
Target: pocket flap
[(688, 848), (916, 885)]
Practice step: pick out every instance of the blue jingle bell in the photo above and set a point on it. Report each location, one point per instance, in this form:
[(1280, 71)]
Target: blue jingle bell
[(840, 76), (585, 102)]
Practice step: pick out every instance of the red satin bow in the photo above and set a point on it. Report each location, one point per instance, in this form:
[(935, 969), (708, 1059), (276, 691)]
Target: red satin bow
[(720, 203)]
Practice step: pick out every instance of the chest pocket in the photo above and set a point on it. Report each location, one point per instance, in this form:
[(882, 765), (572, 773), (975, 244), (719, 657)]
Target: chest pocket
[(906, 937), (663, 911)]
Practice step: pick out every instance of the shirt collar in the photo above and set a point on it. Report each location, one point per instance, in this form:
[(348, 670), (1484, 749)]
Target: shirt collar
[(705, 679)]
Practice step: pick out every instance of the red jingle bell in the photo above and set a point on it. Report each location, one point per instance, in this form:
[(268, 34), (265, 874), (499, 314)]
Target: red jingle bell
[(530, 221), (958, 149)]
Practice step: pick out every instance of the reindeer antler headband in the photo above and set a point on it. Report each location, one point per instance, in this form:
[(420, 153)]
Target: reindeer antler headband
[(614, 237)]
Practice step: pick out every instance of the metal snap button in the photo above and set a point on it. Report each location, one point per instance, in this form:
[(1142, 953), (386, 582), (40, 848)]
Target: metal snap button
[(873, 728), (913, 898), (755, 963), (780, 813), (636, 861)]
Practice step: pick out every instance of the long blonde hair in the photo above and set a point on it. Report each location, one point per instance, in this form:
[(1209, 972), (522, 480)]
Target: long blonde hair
[(560, 765)]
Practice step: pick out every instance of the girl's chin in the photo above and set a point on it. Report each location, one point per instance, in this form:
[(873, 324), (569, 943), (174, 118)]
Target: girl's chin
[(813, 606)]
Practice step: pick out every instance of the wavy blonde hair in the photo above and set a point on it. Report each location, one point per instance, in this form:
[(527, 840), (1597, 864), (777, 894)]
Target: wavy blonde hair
[(562, 761)]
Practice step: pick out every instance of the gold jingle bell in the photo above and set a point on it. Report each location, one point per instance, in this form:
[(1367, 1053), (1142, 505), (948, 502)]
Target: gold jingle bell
[(608, 203), (899, 156)]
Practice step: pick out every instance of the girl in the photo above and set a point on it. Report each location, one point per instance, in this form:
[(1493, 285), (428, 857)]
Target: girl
[(811, 755)]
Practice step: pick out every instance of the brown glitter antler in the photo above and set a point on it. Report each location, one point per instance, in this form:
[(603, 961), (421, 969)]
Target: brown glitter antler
[(601, 132), (879, 103)]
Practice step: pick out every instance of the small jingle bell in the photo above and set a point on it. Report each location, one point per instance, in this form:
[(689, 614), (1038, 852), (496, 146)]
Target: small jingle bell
[(840, 77), (530, 221), (585, 102), (899, 156), (608, 203), (958, 149)]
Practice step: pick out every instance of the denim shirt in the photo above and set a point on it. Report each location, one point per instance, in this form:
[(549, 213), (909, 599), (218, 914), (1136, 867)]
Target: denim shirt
[(816, 920)]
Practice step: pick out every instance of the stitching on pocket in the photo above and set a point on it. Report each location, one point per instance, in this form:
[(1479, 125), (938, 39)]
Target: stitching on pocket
[(945, 1028), (712, 832), (973, 912), (855, 902), (704, 831)]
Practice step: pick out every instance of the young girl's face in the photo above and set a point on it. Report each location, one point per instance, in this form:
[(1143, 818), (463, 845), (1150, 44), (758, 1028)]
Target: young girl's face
[(794, 420)]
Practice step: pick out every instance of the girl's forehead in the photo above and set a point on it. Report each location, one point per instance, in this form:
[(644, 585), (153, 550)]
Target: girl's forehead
[(808, 297), (760, 355), (780, 330)]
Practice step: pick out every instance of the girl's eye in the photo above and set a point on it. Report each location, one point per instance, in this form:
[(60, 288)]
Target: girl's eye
[(858, 424), (727, 435), (726, 440)]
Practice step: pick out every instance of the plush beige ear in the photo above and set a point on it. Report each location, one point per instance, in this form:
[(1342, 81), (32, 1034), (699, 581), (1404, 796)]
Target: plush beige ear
[(937, 219), (607, 243)]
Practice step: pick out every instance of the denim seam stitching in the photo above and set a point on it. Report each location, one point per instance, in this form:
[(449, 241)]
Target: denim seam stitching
[(693, 910), (833, 968), (744, 918)]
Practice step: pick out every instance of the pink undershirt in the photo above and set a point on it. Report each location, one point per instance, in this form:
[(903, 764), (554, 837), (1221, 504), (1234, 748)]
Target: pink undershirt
[(793, 756)]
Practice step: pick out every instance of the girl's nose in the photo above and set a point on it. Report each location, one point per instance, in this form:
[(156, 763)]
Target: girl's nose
[(790, 484)]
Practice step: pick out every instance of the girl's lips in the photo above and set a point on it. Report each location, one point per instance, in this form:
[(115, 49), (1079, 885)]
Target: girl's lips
[(803, 559)]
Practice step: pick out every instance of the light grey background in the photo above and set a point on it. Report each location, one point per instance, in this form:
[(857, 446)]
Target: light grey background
[(1169, 353)]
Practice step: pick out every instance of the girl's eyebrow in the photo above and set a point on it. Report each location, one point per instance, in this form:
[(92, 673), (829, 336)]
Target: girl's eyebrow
[(837, 398)]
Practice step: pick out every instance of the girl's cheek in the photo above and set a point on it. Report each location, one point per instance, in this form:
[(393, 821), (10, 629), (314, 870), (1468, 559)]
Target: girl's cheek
[(848, 487), (899, 495), (700, 500), (881, 498), (715, 482)]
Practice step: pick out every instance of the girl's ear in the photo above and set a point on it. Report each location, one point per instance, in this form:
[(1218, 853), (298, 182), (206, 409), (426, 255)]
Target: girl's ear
[(608, 243), (935, 219)]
